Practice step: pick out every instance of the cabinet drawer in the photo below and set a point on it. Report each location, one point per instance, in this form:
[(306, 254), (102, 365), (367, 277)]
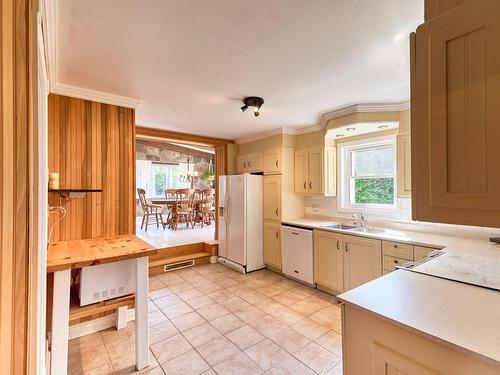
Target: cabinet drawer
[(398, 250), (421, 252), (390, 263)]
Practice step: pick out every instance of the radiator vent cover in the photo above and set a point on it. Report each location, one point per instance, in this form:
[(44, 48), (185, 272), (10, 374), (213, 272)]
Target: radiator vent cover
[(178, 265)]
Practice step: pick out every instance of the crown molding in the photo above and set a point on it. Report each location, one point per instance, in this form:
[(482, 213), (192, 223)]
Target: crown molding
[(363, 108), (96, 96), (49, 29), (262, 135)]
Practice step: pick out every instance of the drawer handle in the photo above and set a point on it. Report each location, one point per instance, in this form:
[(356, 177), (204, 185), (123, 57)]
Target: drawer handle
[(244, 165), (249, 164), (338, 245), (305, 185), (277, 212), (346, 248), (295, 271), (277, 234), (396, 261), (395, 246), (276, 163), (310, 185), (296, 233)]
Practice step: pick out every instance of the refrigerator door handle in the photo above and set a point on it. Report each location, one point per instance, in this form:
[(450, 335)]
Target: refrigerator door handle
[(228, 207)]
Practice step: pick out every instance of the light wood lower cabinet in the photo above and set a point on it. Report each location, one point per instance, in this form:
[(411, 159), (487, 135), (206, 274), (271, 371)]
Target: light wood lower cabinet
[(272, 243), (362, 260), (372, 345), (329, 259), (343, 262)]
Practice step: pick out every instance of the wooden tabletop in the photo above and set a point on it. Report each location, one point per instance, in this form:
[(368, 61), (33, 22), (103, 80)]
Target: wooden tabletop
[(82, 253)]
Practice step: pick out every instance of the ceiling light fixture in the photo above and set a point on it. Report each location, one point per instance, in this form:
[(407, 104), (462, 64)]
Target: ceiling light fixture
[(382, 126), (252, 101), (339, 135), (350, 129)]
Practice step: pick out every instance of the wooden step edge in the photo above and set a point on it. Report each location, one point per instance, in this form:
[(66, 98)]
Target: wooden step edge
[(79, 312), (181, 258)]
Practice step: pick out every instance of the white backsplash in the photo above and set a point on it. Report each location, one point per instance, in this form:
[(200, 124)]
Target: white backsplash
[(327, 207)]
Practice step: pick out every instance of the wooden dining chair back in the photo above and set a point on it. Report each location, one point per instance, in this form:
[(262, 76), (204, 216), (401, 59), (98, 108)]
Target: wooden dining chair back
[(171, 200), (206, 207), (150, 212), (184, 211)]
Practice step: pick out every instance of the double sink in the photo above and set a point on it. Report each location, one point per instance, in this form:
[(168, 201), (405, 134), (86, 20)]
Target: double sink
[(353, 228)]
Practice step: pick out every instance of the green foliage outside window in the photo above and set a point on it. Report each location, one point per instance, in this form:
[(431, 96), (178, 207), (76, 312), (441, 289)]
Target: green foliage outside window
[(374, 190)]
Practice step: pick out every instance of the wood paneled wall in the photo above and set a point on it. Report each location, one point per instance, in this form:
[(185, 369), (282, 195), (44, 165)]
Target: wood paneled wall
[(18, 64), (92, 145)]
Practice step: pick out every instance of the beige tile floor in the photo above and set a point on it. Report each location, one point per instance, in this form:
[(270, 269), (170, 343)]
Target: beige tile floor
[(212, 320)]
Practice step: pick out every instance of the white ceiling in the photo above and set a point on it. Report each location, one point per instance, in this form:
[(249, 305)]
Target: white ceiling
[(191, 61)]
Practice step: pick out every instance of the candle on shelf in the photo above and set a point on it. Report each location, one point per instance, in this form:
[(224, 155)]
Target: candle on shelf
[(53, 180)]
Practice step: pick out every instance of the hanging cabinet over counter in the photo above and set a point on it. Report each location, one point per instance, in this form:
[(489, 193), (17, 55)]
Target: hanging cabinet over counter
[(455, 127), (315, 171)]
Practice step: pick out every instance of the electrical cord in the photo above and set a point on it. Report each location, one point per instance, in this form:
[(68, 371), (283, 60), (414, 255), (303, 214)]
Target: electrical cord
[(62, 212)]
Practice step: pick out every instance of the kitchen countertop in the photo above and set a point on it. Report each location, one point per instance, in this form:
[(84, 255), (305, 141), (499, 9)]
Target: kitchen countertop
[(457, 315), (82, 253), (465, 245)]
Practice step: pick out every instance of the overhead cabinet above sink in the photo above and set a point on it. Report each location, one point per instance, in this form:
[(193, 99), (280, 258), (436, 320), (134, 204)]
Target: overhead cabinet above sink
[(315, 171)]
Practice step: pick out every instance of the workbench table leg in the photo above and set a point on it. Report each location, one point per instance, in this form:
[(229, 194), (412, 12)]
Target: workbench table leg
[(141, 314), (60, 323)]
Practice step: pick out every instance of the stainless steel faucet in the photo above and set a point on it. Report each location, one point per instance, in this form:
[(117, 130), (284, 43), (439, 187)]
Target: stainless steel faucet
[(359, 216)]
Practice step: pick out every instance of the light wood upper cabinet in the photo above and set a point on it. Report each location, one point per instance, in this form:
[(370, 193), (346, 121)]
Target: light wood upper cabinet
[(241, 164), (315, 171), (250, 163), (329, 260), (362, 260), (456, 117), (403, 165), (273, 161), (272, 197), (255, 162), (272, 243), (301, 171)]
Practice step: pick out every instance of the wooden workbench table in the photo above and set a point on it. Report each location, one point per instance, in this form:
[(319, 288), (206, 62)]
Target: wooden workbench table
[(64, 256)]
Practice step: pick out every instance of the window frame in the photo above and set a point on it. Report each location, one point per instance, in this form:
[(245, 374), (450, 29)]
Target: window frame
[(346, 175), (168, 182)]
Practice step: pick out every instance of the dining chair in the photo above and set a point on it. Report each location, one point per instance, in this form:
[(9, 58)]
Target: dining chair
[(150, 212), (206, 208), (184, 211), (171, 198)]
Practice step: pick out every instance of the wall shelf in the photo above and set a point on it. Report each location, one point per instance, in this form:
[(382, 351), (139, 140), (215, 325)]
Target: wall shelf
[(72, 193)]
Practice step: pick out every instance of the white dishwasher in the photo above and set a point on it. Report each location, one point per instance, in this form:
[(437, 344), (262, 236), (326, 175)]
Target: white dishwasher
[(297, 253)]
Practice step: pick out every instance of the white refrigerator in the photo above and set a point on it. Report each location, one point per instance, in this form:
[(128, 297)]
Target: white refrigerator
[(241, 222)]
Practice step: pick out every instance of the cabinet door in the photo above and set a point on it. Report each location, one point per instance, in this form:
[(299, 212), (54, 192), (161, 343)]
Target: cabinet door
[(272, 197), (456, 135), (328, 260), (272, 161), (330, 171), (272, 247), (301, 171), (362, 260), (315, 169), (241, 163), (403, 165), (255, 162)]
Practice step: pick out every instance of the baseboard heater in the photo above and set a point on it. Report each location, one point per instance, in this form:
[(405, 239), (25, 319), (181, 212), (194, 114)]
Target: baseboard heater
[(178, 265)]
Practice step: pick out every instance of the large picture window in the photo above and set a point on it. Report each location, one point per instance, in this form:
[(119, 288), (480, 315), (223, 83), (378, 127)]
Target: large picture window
[(369, 174)]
